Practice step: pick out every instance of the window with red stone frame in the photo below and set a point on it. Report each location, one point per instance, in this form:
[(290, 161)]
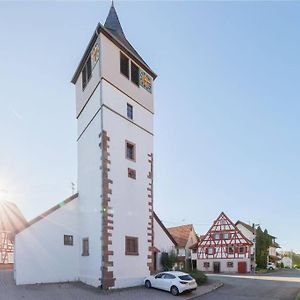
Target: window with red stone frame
[(131, 245)]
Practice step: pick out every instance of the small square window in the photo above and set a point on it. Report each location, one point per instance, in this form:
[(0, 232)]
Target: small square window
[(131, 173), (130, 151), (230, 250), (129, 111), (135, 74), (131, 245), (206, 264), (217, 236), (68, 240), (230, 264), (210, 251), (85, 247), (226, 236), (124, 65)]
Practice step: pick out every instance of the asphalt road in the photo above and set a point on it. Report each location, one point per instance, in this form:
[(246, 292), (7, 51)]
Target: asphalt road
[(281, 285)]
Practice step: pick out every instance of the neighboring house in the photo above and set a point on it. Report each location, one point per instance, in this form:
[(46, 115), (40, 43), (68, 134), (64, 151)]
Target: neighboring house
[(224, 248), (287, 262), (105, 235), (185, 236), (163, 241), (250, 233), (273, 257), (11, 221)]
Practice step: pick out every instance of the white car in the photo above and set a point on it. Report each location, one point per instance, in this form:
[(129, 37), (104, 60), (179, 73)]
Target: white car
[(271, 266), (173, 282)]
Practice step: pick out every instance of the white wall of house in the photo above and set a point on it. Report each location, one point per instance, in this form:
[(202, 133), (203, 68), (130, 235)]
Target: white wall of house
[(162, 242), (223, 265), (40, 253), (272, 251), (287, 262)]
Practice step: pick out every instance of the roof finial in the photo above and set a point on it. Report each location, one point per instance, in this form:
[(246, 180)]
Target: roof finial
[(112, 3)]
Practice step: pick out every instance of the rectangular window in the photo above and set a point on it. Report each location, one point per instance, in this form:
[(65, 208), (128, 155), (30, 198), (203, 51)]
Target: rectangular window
[(230, 264), (68, 240), (206, 264), (217, 236), (230, 250), (210, 251), (86, 73), (135, 74), (85, 247), (130, 151), (124, 65), (129, 111), (226, 236), (131, 245), (131, 173), (242, 250)]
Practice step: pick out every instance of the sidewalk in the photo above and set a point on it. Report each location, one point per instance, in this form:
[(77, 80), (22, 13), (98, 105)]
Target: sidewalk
[(79, 291)]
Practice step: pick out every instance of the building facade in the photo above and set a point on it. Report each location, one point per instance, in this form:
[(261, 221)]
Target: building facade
[(105, 235), (224, 248)]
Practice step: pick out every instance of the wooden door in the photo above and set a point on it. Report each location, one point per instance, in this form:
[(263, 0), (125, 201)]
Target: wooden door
[(242, 267)]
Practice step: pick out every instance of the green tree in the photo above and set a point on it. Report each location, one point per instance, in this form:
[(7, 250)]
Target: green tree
[(263, 242), (168, 260)]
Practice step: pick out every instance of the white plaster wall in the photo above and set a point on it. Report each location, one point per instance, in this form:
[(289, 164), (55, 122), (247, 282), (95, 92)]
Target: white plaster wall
[(90, 189), (117, 101), (162, 242), (129, 198), (110, 70), (287, 262), (272, 251), (249, 235), (223, 265), (89, 111), (82, 96), (41, 255)]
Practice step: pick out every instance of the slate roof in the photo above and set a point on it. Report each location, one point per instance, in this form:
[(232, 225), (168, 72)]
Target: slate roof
[(11, 218), (181, 234), (112, 29)]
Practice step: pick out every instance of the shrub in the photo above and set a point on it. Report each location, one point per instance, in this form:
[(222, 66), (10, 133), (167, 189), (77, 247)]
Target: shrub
[(168, 260), (199, 276), (298, 296)]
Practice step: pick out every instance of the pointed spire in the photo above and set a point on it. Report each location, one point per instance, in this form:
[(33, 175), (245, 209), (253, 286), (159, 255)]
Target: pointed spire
[(112, 22)]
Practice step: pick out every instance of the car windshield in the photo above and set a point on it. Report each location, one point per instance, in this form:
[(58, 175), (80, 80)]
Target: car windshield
[(185, 277)]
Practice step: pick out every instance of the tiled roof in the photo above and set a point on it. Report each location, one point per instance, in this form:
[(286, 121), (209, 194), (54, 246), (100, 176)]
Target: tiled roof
[(11, 218), (181, 234)]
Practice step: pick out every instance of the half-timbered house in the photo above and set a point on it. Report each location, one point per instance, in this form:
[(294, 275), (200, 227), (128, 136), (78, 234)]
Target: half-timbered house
[(224, 248)]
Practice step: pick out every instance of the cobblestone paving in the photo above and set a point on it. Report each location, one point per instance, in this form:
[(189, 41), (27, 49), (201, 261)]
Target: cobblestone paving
[(79, 291)]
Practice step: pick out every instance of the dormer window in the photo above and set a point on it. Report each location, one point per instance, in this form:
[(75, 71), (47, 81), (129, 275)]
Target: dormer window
[(86, 72), (124, 65)]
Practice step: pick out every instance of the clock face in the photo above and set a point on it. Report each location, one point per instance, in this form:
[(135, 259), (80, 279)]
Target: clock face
[(145, 81), (95, 54)]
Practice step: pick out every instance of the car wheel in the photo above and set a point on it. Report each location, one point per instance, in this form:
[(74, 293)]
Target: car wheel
[(148, 284), (174, 290)]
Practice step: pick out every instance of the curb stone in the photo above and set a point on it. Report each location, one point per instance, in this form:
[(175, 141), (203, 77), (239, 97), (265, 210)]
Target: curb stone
[(216, 286)]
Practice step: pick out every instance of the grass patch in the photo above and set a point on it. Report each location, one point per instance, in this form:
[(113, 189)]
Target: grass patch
[(298, 296)]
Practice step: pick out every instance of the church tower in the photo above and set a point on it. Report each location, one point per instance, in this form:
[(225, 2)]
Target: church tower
[(114, 110)]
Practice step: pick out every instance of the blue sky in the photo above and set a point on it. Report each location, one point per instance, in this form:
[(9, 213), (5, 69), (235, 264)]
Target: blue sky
[(226, 101)]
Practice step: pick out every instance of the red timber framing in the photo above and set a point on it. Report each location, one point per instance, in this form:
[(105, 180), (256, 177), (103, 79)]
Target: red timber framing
[(224, 241), (6, 247)]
